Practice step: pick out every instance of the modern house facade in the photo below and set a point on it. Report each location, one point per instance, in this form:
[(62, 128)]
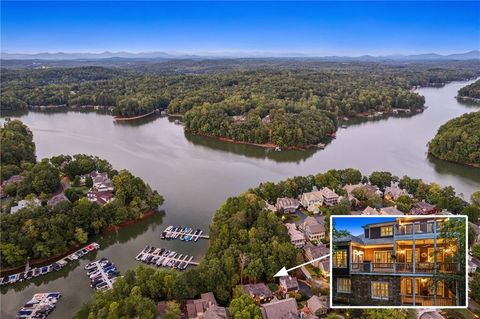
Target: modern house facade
[(404, 262)]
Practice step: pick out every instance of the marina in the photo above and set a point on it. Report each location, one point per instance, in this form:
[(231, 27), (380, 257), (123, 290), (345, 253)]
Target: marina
[(102, 274), (183, 233), (30, 273), (162, 257), (40, 306)]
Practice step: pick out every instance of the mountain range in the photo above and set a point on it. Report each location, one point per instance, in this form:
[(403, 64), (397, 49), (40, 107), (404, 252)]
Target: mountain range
[(471, 55)]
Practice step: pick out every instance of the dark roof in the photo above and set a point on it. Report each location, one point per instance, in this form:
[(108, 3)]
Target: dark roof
[(289, 282), (280, 309), (257, 290), (349, 238)]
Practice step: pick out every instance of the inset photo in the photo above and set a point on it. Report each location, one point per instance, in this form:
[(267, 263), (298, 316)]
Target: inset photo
[(398, 261)]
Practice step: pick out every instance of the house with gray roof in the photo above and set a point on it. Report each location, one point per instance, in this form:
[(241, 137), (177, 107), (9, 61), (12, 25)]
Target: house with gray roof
[(287, 205), (57, 199), (394, 192), (34, 202), (314, 228), (288, 284), (280, 309), (318, 305), (392, 211), (259, 292)]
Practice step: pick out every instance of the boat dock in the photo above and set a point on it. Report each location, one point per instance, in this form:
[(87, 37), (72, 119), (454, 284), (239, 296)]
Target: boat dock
[(40, 306), (102, 274), (165, 258), (183, 233), (30, 273)]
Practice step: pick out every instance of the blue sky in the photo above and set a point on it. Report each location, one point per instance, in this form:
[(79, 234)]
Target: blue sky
[(354, 224), (321, 28)]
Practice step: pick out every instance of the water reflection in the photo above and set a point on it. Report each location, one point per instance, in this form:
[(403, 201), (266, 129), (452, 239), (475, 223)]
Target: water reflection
[(250, 150)]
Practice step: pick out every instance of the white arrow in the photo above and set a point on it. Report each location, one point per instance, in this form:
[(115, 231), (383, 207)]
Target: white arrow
[(284, 272)]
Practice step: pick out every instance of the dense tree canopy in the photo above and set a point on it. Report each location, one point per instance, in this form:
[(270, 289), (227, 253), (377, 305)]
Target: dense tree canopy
[(17, 144), (285, 102), (458, 140)]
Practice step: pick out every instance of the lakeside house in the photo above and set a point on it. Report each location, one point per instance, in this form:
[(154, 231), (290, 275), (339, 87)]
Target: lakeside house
[(330, 198), (297, 238), (423, 208), (34, 202), (198, 308), (311, 199), (101, 181), (259, 292), (392, 211), (288, 284), (314, 228), (287, 205), (101, 198), (280, 309), (392, 193), (57, 199), (14, 179), (312, 252), (318, 305), (476, 228), (349, 188), (394, 263), (370, 211)]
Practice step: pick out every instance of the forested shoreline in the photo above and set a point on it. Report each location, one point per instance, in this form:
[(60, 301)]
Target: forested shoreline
[(458, 140), (46, 228), (249, 244), (289, 103), (470, 92)]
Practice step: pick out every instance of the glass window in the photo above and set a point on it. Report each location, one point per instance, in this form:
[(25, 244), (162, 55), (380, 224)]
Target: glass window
[(409, 284), (380, 290), (386, 231), (408, 253), (344, 285), (340, 259), (439, 255), (383, 257)]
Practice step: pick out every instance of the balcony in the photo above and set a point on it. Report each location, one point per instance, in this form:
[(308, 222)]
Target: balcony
[(426, 301), (420, 267), (419, 228)]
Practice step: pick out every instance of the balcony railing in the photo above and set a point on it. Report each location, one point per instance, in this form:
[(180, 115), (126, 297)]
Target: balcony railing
[(426, 301), (420, 267), (420, 228)]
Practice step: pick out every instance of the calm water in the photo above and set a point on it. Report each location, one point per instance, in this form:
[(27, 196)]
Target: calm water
[(196, 174)]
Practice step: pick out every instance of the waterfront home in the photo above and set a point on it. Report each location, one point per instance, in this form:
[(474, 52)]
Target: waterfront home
[(476, 228), (349, 188), (392, 211), (313, 228), (101, 198), (330, 198), (101, 181), (287, 205), (396, 263), (57, 199), (297, 238), (34, 202), (423, 208), (288, 284), (392, 193), (280, 309), (312, 252), (196, 308), (217, 312), (318, 305), (370, 211), (14, 179), (311, 199), (429, 314), (259, 292)]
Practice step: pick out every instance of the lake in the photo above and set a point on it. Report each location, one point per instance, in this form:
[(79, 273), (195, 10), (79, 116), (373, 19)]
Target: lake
[(196, 174)]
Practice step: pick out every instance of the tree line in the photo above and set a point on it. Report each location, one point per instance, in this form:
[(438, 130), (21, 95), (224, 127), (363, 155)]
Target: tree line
[(470, 91), (458, 140)]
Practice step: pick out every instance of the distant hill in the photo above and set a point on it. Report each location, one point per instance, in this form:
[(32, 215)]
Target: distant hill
[(471, 55)]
